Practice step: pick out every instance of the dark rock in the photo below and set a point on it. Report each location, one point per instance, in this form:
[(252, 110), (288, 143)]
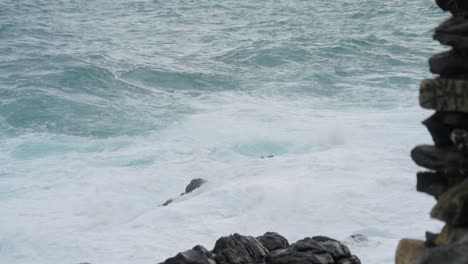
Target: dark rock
[(352, 260), (237, 249), (452, 206), (442, 124), (449, 254), (459, 138), (166, 203), (315, 250), (194, 184), (456, 7), (432, 183), (431, 239), (273, 241), (197, 255), (287, 256), (446, 159), (453, 32), (448, 64)]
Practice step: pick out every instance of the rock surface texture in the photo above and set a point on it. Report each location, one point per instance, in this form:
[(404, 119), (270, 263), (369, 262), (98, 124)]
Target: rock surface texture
[(446, 177), (271, 248)]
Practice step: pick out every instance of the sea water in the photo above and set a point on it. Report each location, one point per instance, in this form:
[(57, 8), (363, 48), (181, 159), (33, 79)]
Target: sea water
[(109, 108)]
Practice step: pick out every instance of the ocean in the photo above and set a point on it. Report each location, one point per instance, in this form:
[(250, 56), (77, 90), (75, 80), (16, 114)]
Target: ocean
[(109, 108)]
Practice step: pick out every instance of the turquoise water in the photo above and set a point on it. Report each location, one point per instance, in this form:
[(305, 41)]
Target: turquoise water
[(107, 108)]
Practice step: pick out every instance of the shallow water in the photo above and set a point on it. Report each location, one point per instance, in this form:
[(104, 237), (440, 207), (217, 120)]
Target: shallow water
[(108, 108)]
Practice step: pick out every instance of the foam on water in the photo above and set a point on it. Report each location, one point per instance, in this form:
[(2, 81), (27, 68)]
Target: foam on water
[(109, 108)]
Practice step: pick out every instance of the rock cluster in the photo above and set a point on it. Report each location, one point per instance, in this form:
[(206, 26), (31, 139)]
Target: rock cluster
[(271, 248), (447, 160)]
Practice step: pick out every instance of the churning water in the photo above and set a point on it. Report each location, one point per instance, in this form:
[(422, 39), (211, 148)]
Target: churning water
[(108, 108)]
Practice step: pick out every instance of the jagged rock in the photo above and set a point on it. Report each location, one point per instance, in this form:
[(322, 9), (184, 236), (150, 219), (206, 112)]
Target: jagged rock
[(453, 32), (432, 183), (315, 250), (444, 95), (449, 254), (450, 234), (166, 203), (273, 241), (194, 184), (237, 249), (358, 238), (442, 124), (452, 206), (459, 138), (431, 239), (456, 7), (409, 250), (446, 159), (197, 255), (448, 64)]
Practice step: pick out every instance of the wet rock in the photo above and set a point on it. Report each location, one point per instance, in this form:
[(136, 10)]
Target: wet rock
[(450, 234), (459, 138), (432, 183), (453, 32), (197, 255), (358, 238), (194, 184), (315, 250), (431, 239), (166, 203), (352, 260), (409, 250), (448, 64), (442, 159), (442, 124), (444, 95), (237, 249), (456, 7), (449, 254), (286, 256), (273, 241), (452, 206)]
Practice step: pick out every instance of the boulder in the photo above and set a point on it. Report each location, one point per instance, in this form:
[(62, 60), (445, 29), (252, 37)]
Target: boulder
[(409, 250), (197, 255), (314, 250), (446, 159), (448, 64), (444, 95), (453, 32), (452, 206), (273, 241), (237, 249)]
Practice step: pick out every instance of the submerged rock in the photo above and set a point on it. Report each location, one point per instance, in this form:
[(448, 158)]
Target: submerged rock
[(194, 184), (273, 241), (237, 249)]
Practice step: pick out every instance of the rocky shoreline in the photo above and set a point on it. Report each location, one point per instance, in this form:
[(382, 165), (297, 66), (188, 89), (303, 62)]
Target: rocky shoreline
[(446, 160), (271, 248)]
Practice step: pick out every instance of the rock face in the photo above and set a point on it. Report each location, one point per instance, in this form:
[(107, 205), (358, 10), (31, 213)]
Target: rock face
[(447, 160), (271, 248)]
